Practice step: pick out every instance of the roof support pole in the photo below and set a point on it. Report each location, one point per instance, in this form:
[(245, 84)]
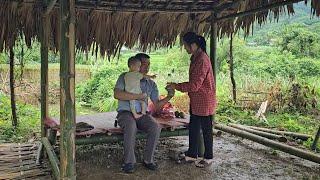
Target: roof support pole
[(213, 44), (44, 70), (67, 90), (213, 49)]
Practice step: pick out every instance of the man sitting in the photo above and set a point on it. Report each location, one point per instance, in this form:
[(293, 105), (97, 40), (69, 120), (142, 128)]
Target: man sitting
[(146, 123)]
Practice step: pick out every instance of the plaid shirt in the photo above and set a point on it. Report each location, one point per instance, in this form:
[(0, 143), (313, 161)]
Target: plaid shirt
[(201, 87)]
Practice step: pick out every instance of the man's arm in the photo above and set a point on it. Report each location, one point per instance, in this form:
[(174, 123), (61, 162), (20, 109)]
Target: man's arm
[(160, 103), (126, 96)]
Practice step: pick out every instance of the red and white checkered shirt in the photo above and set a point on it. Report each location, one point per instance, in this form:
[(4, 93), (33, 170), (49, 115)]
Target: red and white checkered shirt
[(201, 87)]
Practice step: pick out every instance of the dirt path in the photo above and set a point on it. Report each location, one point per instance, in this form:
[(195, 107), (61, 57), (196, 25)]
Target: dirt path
[(236, 158)]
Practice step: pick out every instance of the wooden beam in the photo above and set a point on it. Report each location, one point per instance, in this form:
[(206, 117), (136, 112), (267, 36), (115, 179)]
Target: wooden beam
[(192, 5), (67, 89), (225, 6), (54, 162), (260, 9), (140, 10), (44, 40), (168, 4)]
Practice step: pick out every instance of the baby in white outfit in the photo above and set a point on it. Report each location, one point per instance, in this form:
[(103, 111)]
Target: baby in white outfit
[(132, 85)]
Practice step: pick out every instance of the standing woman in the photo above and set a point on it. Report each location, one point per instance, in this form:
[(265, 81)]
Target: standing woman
[(202, 94)]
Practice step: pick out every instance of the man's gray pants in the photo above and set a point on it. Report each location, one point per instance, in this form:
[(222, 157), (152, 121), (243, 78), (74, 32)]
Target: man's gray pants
[(130, 127)]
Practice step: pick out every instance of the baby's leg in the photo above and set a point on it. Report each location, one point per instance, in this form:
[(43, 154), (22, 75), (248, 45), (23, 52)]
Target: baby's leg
[(133, 110), (143, 107)]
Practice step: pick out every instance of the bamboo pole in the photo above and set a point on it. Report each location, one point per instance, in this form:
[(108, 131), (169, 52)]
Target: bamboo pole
[(316, 139), (101, 139), (260, 133), (44, 71), (213, 46), (52, 157), (12, 94), (39, 154), (231, 67), (284, 133), (270, 143), (67, 90), (217, 133)]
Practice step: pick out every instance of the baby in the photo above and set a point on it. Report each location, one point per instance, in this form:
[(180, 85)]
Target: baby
[(132, 85)]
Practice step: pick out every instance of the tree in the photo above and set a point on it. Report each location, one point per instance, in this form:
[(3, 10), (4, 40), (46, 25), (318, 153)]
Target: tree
[(300, 41)]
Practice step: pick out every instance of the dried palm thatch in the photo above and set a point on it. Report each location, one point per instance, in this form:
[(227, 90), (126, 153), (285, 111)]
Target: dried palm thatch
[(106, 26)]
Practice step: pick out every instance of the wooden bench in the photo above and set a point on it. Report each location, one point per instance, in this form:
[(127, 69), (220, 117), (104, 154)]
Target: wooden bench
[(104, 131)]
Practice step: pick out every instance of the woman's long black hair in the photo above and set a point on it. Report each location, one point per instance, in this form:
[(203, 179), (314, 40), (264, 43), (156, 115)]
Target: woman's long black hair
[(191, 37)]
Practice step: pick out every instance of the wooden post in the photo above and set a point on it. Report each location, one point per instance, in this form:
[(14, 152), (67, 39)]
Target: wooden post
[(44, 71), (213, 45), (12, 94), (213, 49), (67, 90), (231, 67)]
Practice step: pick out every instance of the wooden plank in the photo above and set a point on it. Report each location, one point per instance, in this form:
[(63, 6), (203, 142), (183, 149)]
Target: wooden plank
[(98, 139), (25, 174), (16, 158), (16, 153), (20, 165), (67, 90), (12, 165), (52, 157), (23, 168)]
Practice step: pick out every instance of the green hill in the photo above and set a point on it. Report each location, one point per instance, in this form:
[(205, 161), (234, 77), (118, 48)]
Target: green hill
[(302, 16)]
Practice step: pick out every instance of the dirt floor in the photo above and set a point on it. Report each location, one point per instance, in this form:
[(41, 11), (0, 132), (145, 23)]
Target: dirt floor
[(235, 158)]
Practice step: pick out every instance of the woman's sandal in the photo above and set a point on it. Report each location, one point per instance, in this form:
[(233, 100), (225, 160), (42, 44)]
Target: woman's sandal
[(187, 159), (204, 163)]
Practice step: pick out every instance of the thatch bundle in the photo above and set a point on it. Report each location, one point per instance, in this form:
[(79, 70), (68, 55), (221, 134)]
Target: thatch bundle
[(107, 31)]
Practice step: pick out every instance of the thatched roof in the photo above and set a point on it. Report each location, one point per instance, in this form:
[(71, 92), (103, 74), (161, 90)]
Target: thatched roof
[(108, 25)]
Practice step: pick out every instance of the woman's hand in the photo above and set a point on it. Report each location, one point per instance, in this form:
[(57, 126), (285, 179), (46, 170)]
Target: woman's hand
[(171, 89)]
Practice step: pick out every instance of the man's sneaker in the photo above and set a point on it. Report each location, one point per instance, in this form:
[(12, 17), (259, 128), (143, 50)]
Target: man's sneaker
[(151, 166), (128, 168)]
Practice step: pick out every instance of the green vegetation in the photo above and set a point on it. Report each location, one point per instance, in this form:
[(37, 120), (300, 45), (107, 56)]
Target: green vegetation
[(29, 123)]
